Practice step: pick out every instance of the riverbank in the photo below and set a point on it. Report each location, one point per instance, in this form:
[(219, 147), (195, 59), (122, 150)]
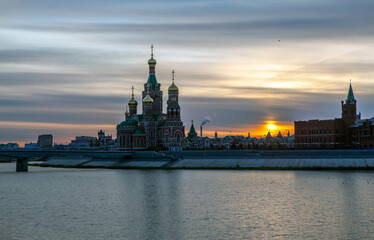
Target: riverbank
[(259, 160)]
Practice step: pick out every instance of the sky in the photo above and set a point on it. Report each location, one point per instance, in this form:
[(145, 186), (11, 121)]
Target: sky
[(67, 67)]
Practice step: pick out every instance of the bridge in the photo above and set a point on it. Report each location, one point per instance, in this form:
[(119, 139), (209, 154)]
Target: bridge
[(24, 156)]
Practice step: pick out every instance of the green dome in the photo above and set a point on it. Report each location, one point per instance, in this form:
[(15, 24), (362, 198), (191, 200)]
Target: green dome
[(128, 123), (139, 131), (173, 88)]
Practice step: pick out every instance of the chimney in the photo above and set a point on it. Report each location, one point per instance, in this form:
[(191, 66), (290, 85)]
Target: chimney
[(201, 130)]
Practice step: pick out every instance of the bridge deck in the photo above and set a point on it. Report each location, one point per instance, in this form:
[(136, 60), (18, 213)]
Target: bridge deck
[(30, 154)]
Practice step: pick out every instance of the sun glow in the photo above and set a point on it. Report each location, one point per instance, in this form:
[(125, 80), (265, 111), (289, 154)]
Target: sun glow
[(271, 126)]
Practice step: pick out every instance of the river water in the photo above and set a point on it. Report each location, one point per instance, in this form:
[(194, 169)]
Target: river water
[(53, 203)]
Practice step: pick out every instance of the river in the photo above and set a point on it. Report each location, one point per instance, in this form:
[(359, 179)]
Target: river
[(53, 203)]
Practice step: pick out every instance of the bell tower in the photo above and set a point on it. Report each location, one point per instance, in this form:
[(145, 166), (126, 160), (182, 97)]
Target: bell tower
[(173, 129), (173, 108), (349, 115), (133, 104)]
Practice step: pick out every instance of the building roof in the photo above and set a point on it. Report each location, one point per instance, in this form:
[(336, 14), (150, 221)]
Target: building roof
[(360, 122)]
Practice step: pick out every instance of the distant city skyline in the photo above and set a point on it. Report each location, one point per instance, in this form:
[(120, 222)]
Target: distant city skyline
[(66, 68)]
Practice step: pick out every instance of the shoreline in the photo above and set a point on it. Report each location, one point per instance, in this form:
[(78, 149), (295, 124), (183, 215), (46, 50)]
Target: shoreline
[(369, 168), (206, 160), (227, 160)]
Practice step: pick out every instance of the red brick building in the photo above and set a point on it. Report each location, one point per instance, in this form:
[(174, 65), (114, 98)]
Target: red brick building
[(349, 131), (315, 134), (363, 133)]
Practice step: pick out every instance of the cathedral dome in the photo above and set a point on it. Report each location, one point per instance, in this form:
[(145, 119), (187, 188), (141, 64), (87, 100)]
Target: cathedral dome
[(148, 100), (173, 88), (152, 61), (128, 123), (133, 102)]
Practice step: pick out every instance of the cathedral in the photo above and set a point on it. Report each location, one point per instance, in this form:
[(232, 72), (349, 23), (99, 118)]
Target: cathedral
[(152, 129)]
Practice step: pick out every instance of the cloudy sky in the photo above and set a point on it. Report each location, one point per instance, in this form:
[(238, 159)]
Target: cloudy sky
[(66, 67)]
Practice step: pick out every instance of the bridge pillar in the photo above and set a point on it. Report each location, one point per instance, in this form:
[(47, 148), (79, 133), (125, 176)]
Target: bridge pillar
[(22, 165)]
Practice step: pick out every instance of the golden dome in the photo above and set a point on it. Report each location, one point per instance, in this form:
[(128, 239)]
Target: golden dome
[(133, 102), (173, 88), (152, 61), (148, 100)]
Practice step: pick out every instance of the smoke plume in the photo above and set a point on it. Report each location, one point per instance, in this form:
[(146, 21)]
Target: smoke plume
[(206, 120)]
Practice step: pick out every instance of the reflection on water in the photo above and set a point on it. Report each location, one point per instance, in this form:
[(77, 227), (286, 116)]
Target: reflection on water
[(48, 203)]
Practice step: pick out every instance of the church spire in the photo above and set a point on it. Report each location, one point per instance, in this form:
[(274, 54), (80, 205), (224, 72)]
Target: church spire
[(152, 61), (351, 96), (192, 129), (152, 87), (192, 133), (152, 69)]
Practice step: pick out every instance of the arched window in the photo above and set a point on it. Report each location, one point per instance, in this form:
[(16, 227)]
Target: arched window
[(178, 135)]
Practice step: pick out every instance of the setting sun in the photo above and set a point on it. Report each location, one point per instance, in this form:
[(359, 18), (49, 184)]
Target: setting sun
[(271, 126)]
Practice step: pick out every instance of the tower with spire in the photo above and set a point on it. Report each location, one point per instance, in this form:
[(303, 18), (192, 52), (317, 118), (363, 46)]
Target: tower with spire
[(173, 108), (349, 111), (173, 128), (349, 114), (153, 86)]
